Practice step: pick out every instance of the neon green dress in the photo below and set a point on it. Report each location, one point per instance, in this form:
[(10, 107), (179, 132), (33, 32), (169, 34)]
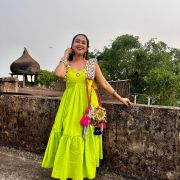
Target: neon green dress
[(67, 152)]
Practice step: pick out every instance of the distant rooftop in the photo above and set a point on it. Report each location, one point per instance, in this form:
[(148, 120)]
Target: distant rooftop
[(25, 65)]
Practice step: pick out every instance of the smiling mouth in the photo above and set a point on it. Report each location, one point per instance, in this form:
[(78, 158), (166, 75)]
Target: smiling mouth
[(79, 49)]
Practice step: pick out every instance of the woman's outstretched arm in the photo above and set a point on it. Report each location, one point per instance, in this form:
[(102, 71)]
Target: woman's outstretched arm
[(107, 87)]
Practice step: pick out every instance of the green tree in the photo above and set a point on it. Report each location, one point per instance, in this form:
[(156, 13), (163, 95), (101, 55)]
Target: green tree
[(117, 60), (47, 78), (162, 79), (175, 53), (153, 68), (163, 85)]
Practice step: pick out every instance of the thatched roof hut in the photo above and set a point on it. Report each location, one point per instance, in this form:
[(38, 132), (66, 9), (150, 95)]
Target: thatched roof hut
[(25, 65)]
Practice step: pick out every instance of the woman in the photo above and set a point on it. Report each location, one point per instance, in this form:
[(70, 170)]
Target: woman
[(67, 152)]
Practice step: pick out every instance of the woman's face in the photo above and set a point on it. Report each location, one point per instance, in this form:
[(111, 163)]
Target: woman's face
[(80, 45)]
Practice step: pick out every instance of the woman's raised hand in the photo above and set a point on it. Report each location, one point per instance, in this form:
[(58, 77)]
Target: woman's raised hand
[(67, 53)]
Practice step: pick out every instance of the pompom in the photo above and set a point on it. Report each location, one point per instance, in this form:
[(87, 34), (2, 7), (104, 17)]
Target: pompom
[(85, 120)]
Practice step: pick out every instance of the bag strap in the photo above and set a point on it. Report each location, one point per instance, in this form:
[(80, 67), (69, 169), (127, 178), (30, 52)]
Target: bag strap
[(90, 75), (87, 93), (99, 97)]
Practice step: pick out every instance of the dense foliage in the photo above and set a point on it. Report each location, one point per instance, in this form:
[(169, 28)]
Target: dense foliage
[(153, 68)]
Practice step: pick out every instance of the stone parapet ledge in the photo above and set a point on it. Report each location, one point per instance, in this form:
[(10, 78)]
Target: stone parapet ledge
[(9, 84), (141, 142)]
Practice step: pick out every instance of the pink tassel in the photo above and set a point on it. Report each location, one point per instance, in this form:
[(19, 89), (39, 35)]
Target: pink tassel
[(104, 125), (87, 111), (85, 120)]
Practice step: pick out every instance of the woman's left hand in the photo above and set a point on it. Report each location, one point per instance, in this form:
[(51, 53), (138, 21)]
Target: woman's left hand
[(126, 101)]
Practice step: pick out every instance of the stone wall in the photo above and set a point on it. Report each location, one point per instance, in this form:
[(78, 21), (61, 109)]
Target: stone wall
[(9, 84), (141, 142)]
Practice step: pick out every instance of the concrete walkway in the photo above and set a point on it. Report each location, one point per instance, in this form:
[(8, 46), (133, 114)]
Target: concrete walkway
[(22, 165)]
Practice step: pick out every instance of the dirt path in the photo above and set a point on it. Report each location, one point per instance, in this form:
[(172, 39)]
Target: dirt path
[(22, 165)]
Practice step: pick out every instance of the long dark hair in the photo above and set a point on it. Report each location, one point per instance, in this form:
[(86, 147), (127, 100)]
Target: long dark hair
[(86, 53)]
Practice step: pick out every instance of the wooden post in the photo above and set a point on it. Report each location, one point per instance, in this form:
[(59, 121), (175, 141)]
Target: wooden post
[(24, 79)]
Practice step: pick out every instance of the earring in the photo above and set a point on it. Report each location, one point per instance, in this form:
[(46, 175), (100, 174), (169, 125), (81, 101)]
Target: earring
[(72, 52), (85, 55)]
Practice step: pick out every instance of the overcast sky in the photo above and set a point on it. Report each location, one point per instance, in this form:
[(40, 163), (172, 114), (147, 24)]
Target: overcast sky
[(46, 27)]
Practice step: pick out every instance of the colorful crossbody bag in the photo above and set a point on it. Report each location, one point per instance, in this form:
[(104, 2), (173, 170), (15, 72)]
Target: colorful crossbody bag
[(95, 116)]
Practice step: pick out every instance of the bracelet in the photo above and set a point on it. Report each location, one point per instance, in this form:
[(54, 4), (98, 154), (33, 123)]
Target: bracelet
[(63, 61), (113, 93)]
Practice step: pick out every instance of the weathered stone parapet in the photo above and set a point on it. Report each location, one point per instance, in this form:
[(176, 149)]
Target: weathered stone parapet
[(25, 121), (9, 84), (141, 142)]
